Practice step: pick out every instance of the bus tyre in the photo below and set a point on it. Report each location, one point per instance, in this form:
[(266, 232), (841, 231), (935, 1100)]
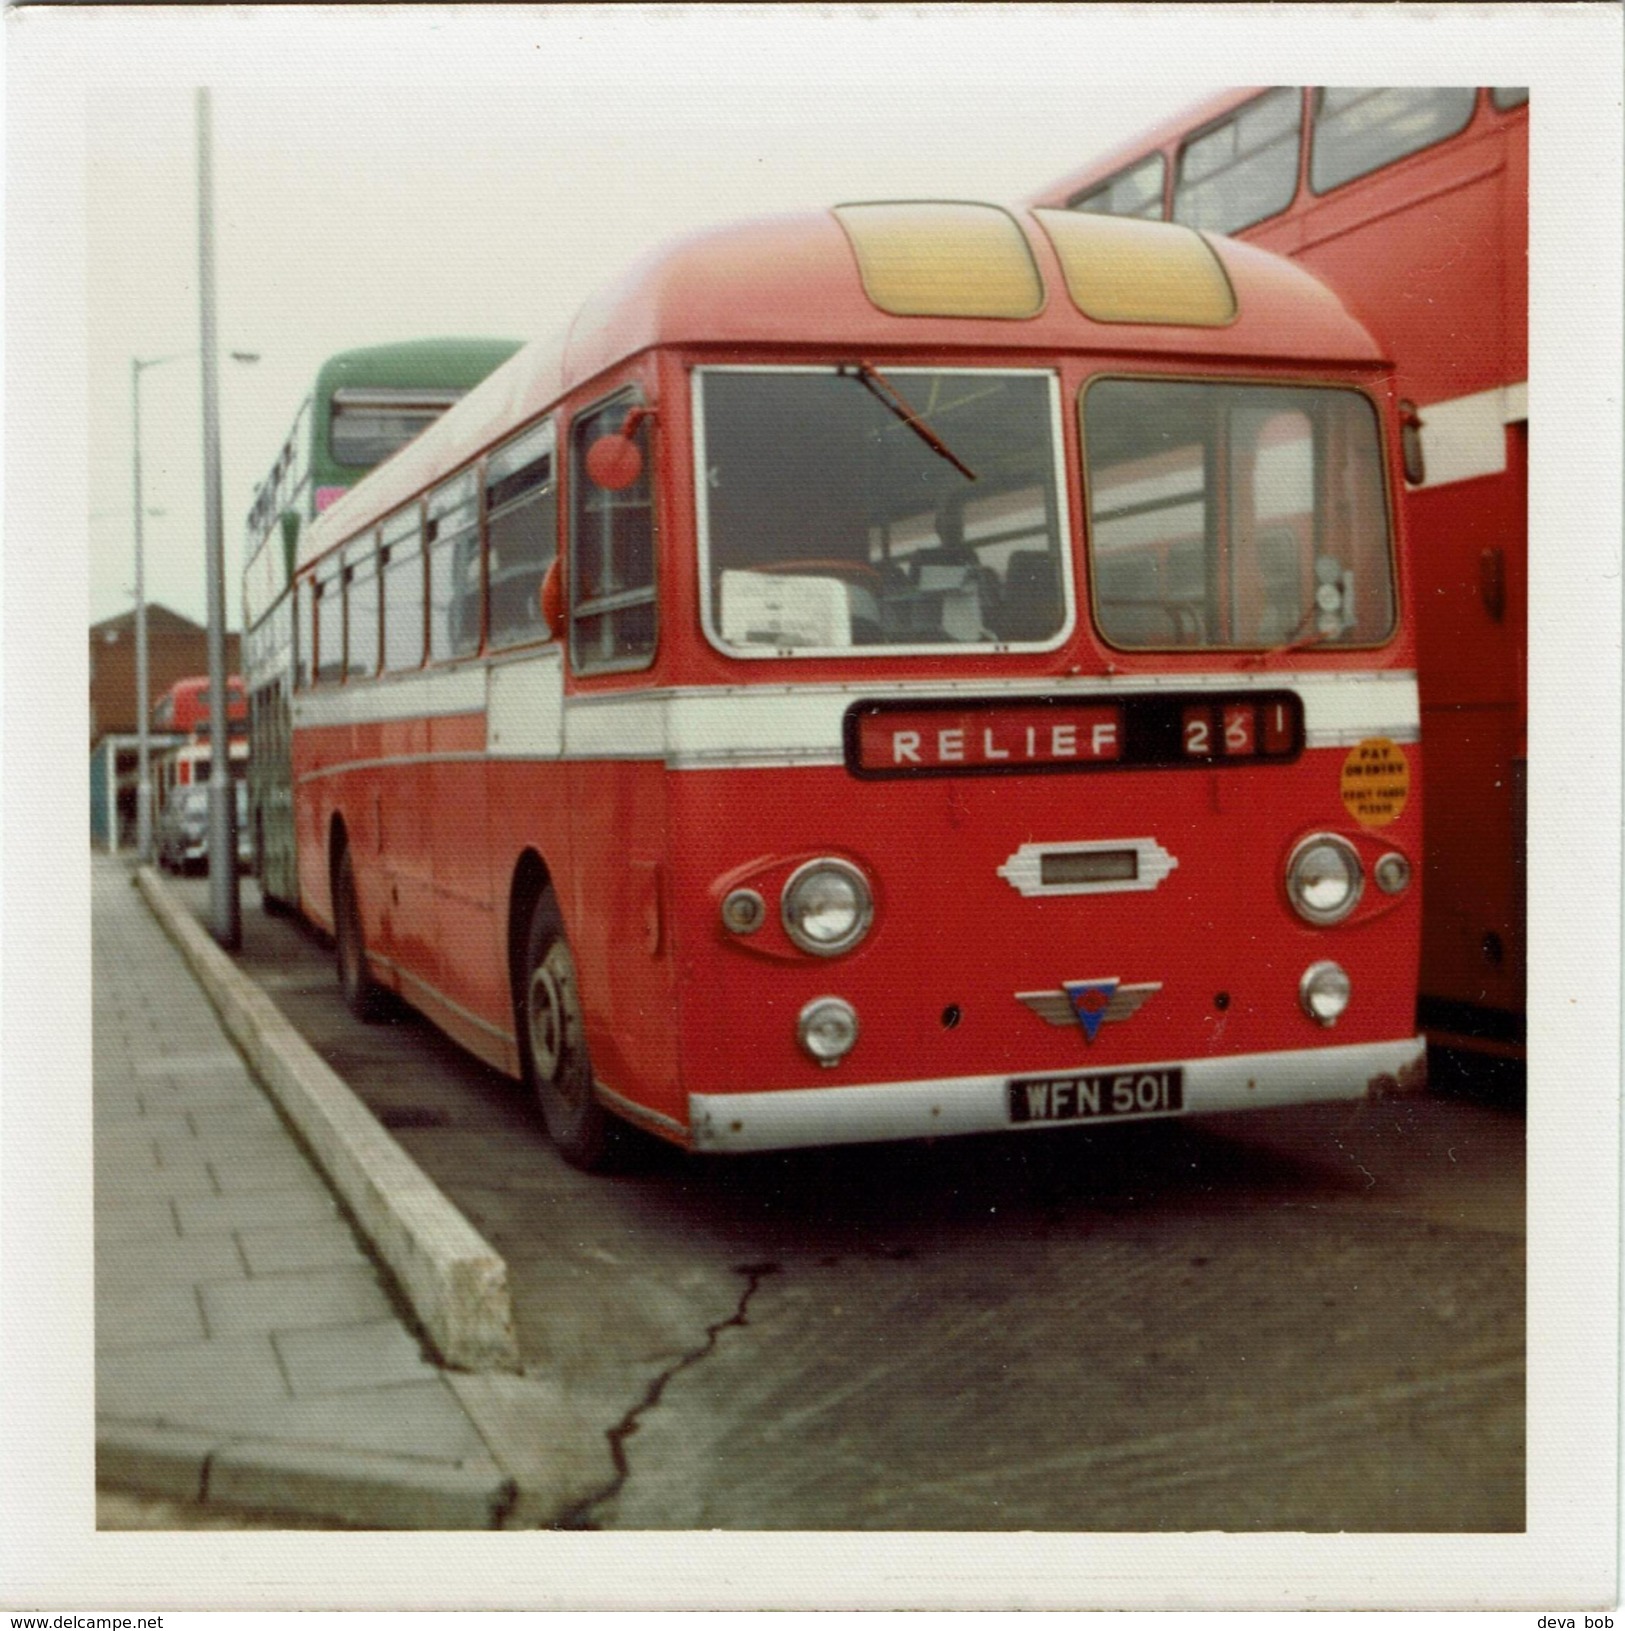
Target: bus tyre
[(362, 995), (553, 1044)]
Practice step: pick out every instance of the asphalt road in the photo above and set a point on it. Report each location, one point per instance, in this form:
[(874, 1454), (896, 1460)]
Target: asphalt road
[(1299, 1320)]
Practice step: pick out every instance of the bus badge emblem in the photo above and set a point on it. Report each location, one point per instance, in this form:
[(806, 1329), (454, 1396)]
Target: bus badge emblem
[(1089, 1003)]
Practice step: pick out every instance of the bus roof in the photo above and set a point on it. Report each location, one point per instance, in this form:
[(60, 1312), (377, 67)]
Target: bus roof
[(874, 278), (425, 363)]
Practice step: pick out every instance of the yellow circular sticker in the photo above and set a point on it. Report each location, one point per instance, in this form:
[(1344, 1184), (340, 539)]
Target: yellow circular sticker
[(1376, 782)]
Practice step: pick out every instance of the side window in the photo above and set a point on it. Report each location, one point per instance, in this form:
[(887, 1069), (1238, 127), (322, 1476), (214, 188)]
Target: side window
[(522, 530), (1359, 130), (1135, 191), (1507, 97), (330, 621), (400, 556), (612, 551), (361, 602), (453, 542), (1243, 170), (304, 634)]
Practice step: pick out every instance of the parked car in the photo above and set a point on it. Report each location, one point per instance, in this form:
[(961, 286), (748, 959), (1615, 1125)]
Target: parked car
[(183, 831)]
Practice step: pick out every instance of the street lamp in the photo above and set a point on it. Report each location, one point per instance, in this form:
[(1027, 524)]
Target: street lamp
[(143, 817)]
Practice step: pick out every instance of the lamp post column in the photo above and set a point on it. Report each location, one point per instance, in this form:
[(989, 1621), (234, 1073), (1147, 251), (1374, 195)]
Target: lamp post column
[(143, 701), (224, 907)]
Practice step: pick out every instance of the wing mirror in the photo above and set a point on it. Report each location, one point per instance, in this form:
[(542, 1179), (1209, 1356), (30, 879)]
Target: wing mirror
[(615, 461), (551, 596)]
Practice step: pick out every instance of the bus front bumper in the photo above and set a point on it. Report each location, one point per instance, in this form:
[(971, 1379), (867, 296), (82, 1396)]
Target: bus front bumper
[(734, 1123)]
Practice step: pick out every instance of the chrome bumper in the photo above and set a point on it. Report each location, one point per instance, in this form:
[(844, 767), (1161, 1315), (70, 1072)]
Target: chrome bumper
[(732, 1123)]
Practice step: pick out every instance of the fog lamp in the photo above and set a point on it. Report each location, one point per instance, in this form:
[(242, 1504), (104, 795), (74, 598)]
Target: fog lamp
[(828, 1029), (743, 911), (1324, 992), (1324, 879), (1393, 873), (827, 907)]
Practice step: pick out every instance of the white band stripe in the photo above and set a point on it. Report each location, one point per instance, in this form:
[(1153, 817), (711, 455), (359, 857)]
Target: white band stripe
[(700, 727)]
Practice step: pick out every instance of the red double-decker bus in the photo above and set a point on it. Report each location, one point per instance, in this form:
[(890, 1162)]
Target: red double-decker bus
[(1413, 204), (902, 670)]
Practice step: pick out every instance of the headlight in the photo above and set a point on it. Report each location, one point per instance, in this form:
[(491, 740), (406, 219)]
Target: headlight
[(1323, 879), (827, 907), (828, 1029), (1324, 992)]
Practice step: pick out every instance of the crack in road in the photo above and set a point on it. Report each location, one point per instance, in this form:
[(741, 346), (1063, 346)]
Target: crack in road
[(579, 1516)]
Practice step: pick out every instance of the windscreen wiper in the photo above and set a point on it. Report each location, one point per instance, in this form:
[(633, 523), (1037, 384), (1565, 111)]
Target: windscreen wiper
[(895, 403)]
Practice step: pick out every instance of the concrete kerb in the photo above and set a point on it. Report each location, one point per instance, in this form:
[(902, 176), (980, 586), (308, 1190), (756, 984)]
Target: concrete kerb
[(456, 1284), (350, 1487)]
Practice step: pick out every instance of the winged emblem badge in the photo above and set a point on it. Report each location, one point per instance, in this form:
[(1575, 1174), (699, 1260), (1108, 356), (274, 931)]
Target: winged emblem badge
[(1089, 1004)]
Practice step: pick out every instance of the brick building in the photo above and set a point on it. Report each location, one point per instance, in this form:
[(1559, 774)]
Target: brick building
[(176, 647)]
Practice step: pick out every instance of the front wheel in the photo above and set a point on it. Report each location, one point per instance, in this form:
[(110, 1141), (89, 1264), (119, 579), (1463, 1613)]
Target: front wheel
[(362, 994), (553, 1045)]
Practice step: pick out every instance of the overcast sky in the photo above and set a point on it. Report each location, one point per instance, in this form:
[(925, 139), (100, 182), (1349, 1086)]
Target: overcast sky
[(384, 176), (358, 214)]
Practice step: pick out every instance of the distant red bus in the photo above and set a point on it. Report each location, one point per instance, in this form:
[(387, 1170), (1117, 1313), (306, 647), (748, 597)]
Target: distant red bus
[(903, 670), (184, 707), (1413, 204)]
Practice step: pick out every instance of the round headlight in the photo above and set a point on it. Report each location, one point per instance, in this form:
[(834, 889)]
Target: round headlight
[(1392, 872), (828, 1029), (827, 907), (1324, 992), (1323, 879)]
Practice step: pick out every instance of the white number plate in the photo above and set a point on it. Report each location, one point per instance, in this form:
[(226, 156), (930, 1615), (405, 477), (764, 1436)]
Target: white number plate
[(1097, 1095)]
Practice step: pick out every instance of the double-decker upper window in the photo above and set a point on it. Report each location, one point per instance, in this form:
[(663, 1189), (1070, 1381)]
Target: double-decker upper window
[(1135, 191), (1243, 169), (1229, 515), (843, 508), (370, 423), (1361, 129)]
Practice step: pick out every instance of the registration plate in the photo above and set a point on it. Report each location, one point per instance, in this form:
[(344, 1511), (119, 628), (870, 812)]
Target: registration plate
[(1097, 1095)]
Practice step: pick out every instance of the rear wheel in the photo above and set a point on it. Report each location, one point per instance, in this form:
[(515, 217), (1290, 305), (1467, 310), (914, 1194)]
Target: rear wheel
[(362, 995), (553, 1044)]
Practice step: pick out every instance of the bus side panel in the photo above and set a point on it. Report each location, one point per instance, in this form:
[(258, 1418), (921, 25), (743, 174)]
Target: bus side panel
[(403, 811), (1472, 575), (471, 976), (315, 750), (1406, 243), (618, 915)]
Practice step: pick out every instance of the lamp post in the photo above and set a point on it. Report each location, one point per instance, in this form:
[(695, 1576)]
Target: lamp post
[(224, 908), (143, 700), (143, 817)]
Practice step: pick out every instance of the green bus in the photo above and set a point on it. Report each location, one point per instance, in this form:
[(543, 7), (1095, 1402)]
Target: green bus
[(364, 406)]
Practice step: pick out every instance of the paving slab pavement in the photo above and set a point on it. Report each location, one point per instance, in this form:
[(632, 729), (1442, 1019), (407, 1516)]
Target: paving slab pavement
[(250, 1352)]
